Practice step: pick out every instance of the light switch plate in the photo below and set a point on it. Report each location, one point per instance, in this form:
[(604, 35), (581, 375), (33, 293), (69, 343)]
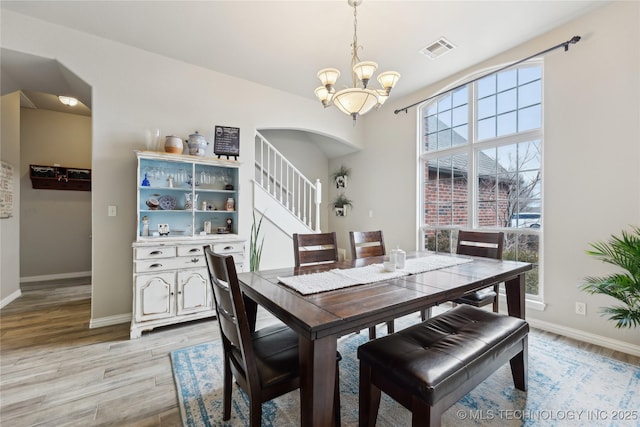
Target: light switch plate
[(112, 211)]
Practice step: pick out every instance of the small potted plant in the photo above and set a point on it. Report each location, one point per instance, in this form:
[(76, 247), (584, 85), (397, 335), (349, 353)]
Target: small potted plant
[(624, 284), (340, 203), (255, 243), (340, 176)]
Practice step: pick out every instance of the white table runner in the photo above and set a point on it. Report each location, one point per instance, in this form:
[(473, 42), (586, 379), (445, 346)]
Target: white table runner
[(334, 279)]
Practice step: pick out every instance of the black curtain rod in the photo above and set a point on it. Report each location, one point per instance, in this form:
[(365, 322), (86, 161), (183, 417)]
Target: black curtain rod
[(574, 40)]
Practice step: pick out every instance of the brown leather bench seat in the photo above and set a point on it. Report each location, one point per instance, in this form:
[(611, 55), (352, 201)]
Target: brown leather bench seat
[(428, 367)]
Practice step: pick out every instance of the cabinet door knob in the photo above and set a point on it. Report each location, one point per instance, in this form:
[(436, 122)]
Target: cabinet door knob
[(155, 265)]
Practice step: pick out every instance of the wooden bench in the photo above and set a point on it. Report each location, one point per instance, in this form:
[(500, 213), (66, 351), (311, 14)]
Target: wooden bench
[(430, 366)]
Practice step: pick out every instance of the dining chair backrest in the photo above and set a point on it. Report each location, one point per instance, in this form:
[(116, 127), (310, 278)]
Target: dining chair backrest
[(366, 244), (480, 244), (315, 248), (232, 317)]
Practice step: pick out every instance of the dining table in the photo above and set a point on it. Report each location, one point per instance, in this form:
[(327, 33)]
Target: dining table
[(320, 316)]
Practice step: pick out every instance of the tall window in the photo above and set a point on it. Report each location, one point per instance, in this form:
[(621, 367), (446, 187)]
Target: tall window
[(481, 164)]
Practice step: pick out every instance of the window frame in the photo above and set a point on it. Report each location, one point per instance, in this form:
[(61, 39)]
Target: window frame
[(472, 148)]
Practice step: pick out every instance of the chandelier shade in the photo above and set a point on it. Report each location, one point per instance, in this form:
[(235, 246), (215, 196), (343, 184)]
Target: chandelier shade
[(323, 95), (358, 99), (328, 77), (388, 80), (355, 101), (364, 70)]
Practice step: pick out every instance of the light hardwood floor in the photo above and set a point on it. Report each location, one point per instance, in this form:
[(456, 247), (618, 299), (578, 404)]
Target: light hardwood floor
[(55, 371)]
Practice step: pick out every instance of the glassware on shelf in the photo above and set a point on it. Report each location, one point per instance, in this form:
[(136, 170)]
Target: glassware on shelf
[(152, 139), (189, 201)]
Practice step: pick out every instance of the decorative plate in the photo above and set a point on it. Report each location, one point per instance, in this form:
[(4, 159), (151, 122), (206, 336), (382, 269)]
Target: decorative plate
[(153, 204), (167, 203)]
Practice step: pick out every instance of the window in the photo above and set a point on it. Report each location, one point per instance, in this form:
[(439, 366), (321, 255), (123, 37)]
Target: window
[(481, 164)]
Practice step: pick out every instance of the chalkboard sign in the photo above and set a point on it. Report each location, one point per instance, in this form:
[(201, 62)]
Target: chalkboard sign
[(227, 142)]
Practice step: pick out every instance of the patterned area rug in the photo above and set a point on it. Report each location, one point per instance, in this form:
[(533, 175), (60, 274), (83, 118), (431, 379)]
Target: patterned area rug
[(567, 387)]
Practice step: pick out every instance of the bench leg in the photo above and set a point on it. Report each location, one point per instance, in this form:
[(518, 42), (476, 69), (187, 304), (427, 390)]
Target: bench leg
[(424, 415), (369, 398), (520, 366)]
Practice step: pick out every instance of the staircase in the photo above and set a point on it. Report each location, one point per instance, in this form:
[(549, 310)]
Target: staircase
[(282, 193)]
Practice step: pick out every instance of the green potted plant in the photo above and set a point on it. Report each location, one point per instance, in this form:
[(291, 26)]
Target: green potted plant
[(255, 247), (340, 176), (624, 285), (340, 203)]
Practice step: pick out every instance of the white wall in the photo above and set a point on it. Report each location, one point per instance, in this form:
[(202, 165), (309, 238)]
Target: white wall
[(134, 90), (591, 162), (55, 233), (10, 227)]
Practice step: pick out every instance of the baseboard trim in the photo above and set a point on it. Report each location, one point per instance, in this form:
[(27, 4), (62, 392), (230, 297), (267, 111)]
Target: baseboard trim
[(110, 320), (10, 298), (46, 277), (579, 335)]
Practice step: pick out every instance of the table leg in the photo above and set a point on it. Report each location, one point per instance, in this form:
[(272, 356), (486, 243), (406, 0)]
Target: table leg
[(515, 291), (317, 380), (251, 307)]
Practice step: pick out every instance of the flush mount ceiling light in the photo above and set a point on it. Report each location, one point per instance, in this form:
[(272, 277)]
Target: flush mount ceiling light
[(68, 101), (356, 100)]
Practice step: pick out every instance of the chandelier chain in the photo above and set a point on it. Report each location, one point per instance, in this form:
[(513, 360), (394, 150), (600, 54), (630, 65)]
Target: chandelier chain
[(354, 46)]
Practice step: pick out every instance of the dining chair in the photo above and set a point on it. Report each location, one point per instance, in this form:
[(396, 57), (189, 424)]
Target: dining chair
[(315, 248), (486, 245), (264, 363), (366, 244), (481, 244)]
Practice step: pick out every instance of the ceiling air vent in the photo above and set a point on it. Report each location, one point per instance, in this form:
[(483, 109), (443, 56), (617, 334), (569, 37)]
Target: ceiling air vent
[(437, 48)]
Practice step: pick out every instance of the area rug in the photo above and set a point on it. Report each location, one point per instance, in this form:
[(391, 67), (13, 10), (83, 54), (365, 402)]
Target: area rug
[(567, 387)]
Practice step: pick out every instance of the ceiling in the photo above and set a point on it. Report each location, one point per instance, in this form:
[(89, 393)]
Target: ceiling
[(283, 44)]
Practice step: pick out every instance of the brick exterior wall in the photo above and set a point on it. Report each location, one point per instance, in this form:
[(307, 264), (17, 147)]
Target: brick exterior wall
[(446, 207)]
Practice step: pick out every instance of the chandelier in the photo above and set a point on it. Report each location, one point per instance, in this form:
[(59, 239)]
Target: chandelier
[(359, 99)]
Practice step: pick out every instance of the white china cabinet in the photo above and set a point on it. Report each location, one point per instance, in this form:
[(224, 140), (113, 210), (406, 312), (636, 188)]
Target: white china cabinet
[(183, 204)]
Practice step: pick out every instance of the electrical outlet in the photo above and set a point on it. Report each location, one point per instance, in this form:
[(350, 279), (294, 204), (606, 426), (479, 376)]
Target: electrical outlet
[(112, 211), (581, 308)]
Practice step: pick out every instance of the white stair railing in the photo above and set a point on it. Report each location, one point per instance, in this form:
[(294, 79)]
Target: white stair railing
[(284, 182)]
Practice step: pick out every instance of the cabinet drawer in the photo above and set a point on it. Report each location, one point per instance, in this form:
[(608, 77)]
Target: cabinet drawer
[(145, 266), (190, 250), (227, 248), (155, 252)]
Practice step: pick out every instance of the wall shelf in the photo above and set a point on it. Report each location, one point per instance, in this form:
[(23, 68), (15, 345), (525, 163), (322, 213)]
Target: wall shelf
[(60, 178)]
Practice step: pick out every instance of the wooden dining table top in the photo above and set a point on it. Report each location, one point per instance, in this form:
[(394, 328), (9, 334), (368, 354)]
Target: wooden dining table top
[(339, 312)]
